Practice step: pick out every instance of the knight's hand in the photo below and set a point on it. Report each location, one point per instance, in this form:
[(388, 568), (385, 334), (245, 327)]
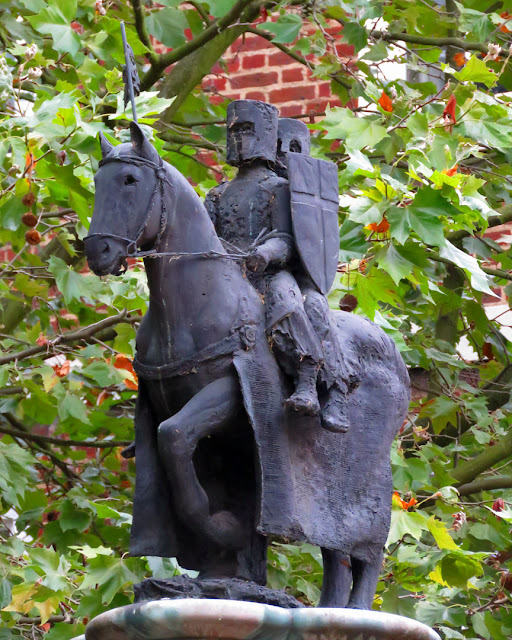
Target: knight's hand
[(256, 261)]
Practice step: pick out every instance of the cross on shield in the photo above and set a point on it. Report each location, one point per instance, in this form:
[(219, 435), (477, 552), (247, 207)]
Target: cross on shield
[(314, 206)]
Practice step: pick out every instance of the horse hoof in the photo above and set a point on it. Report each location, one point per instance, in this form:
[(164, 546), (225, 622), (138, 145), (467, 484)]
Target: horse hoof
[(226, 530), (303, 404)]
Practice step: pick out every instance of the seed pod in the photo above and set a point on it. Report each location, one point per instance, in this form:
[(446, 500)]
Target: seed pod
[(348, 302), (33, 236), (28, 199), (61, 156), (29, 219)]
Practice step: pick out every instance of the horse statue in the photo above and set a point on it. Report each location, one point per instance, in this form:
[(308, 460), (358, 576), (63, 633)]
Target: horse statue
[(221, 465)]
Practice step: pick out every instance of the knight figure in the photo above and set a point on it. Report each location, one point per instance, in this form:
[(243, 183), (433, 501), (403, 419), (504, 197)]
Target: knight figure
[(281, 208)]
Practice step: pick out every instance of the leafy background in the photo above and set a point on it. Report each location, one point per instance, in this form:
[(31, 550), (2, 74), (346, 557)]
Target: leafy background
[(423, 172)]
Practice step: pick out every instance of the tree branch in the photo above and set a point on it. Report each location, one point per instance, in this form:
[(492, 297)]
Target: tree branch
[(448, 41), (495, 273), (85, 333), (60, 442), (488, 483), (216, 28), (494, 221), (140, 26), (467, 471)]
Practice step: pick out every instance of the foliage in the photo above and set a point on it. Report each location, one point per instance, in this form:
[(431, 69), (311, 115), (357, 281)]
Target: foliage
[(424, 172)]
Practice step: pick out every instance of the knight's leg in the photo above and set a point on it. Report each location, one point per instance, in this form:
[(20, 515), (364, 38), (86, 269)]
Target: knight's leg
[(337, 579), (294, 341), (335, 371), (365, 575), (208, 412)]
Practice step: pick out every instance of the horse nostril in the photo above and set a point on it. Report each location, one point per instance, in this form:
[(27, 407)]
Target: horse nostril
[(106, 248)]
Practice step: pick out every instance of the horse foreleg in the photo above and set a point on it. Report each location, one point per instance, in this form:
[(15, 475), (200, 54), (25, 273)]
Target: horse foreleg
[(366, 575), (208, 412), (337, 579)]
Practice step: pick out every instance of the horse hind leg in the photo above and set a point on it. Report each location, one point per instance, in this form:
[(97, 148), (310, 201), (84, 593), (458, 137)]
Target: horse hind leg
[(208, 412), (366, 576), (337, 579)]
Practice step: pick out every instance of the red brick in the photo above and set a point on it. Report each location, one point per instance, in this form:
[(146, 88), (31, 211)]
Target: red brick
[(290, 110), (295, 74), (216, 99), (254, 61), (324, 89), (256, 95), (287, 94), (279, 59), (214, 84), (254, 80), (316, 107), (345, 50), (253, 43)]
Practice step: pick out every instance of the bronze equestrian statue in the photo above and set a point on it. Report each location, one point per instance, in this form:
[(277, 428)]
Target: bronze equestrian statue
[(223, 458)]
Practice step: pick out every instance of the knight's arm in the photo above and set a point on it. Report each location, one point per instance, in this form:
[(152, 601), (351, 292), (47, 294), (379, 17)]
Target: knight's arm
[(278, 249), (211, 202)]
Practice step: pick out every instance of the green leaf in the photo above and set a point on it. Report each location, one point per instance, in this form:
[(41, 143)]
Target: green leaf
[(167, 26), (72, 407), (358, 132), (441, 535), (71, 517), (286, 28), (476, 71), (71, 284), (355, 35), (479, 280), (54, 21), (424, 215), (412, 523), (391, 260), (352, 241), (457, 569)]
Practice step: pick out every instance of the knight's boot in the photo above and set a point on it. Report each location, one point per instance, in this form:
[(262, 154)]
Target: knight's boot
[(304, 400), (335, 411)]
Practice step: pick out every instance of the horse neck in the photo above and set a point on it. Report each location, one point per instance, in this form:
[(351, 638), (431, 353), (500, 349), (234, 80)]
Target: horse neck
[(188, 229)]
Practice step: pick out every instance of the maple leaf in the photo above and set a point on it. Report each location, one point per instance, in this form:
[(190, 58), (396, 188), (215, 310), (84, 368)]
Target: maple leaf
[(63, 369), (451, 172), (459, 59), (449, 113), (379, 227), (385, 102)]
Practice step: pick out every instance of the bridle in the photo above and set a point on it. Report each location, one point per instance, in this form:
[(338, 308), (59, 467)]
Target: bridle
[(161, 179)]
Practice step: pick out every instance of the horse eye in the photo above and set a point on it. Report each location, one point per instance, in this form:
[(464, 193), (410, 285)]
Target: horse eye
[(129, 179)]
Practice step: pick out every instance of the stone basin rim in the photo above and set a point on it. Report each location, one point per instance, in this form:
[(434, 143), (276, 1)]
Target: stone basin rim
[(182, 619)]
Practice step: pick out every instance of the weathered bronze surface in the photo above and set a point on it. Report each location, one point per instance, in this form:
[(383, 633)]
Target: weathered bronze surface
[(260, 411)]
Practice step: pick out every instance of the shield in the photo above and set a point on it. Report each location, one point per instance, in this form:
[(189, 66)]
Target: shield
[(314, 205)]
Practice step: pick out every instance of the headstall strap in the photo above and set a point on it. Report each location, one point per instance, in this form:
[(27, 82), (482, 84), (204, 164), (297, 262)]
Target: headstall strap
[(161, 177)]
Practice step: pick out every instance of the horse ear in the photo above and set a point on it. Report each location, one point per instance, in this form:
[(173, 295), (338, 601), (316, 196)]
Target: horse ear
[(105, 145), (141, 144)]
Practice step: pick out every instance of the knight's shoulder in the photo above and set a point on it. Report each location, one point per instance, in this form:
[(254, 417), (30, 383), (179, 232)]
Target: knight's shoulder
[(218, 190), (274, 181)]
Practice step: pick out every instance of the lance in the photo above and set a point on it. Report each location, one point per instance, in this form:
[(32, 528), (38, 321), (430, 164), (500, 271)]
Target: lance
[(130, 75)]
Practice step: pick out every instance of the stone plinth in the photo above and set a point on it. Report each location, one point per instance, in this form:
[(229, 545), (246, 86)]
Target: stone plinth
[(231, 620)]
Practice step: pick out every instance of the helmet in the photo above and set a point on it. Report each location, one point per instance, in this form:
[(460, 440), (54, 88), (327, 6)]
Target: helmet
[(251, 132), (292, 135)]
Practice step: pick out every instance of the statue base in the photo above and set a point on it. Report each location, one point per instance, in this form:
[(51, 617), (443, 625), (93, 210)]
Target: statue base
[(183, 586), (231, 620)]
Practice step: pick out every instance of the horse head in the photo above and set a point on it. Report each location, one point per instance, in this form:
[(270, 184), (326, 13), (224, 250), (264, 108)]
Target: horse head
[(128, 205)]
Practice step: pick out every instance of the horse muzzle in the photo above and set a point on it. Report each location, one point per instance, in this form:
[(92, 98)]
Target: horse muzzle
[(105, 255)]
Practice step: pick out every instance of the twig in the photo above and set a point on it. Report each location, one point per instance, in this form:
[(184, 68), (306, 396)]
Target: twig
[(60, 442), (84, 333)]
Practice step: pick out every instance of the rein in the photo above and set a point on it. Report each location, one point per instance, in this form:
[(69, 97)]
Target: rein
[(161, 178)]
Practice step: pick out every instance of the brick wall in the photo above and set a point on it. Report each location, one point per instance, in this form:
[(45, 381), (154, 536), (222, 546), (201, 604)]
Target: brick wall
[(257, 70)]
